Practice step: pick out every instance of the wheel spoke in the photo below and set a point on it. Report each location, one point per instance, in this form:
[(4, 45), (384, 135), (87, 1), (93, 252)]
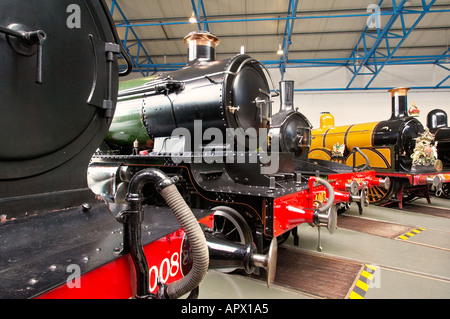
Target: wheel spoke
[(228, 235), (229, 224)]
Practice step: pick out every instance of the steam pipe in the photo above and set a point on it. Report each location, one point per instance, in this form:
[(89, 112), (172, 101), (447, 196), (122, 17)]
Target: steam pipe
[(356, 149), (133, 218), (325, 215), (328, 186), (132, 221)]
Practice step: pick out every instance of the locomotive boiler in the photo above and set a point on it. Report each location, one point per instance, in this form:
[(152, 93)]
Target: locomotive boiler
[(207, 125), (226, 95), (58, 92), (392, 148), (293, 131)]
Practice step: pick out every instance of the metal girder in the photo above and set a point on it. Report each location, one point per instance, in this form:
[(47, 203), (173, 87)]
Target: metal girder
[(287, 38), (200, 8), (374, 54), (297, 17), (445, 58), (387, 39), (137, 63)]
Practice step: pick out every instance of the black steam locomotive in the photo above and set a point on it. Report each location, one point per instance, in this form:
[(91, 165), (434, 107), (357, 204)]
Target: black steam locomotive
[(207, 125), (293, 132), (58, 91)]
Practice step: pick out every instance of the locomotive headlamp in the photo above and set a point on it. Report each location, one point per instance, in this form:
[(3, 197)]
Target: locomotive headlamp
[(280, 50), (192, 18)]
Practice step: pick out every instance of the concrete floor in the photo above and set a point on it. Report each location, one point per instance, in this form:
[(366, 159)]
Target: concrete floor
[(414, 268)]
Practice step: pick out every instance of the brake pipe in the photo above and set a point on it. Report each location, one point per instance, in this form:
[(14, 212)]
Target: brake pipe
[(132, 220)]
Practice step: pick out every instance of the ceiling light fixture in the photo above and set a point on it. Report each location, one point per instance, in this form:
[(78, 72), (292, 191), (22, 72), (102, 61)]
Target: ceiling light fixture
[(280, 50), (357, 59), (193, 19)]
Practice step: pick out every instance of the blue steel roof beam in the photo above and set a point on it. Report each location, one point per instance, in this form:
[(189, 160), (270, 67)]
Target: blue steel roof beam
[(446, 58), (205, 18), (381, 35), (368, 89), (405, 60), (115, 5), (355, 55), (287, 38), (386, 35), (365, 32), (338, 62), (443, 56), (317, 62), (150, 24), (425, 10), (440, 83)]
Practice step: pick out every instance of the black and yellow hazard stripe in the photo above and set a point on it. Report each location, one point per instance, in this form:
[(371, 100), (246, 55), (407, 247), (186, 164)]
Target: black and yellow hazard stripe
[(364, 280), (411, 233)]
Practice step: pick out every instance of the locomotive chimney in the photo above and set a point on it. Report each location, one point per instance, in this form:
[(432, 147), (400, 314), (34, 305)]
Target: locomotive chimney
[(399, 102), (436, 119), (201, 46), (286, 96)]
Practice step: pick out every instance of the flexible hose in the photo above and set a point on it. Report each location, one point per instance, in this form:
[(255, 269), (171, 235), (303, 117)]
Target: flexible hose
[(166, 187), (356, 149), (330, 200), (197, 241)]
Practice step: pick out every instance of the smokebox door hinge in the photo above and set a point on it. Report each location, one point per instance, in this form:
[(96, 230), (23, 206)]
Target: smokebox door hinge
[(104, 57)]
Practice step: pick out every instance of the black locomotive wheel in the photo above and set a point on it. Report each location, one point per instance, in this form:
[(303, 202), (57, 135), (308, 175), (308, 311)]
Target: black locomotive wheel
[(445, 193), (409, 196), (342, 208), (230, 225), (379, 195)]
